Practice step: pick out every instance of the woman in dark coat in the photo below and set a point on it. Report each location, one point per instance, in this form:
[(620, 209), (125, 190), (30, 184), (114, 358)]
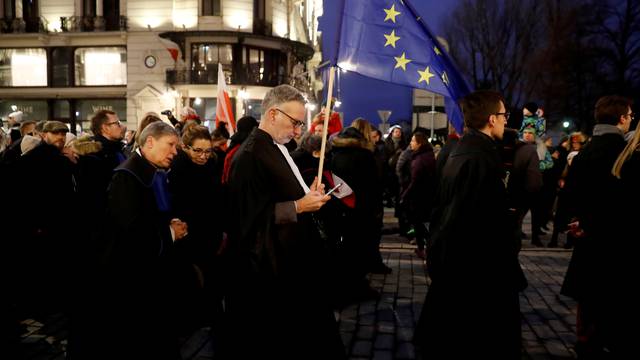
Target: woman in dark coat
[(195, 191), (353, 161), (418, 195)]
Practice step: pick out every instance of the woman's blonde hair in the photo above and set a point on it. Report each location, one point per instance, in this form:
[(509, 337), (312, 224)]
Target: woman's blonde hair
[(365, 128), (632, 146)]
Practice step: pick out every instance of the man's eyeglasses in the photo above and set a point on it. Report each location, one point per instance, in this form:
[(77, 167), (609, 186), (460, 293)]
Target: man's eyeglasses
[(199, 151), (505, 114), (113, 123), (632, 116), (298, 124)]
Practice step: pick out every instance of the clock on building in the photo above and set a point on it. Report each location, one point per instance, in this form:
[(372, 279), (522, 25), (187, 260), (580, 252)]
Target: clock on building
[(150, 61)]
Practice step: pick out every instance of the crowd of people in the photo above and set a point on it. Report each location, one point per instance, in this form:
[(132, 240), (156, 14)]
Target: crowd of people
[(179, 227)]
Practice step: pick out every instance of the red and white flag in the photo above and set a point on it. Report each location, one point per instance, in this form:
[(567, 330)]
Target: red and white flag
[(173, 48), (224, 112)]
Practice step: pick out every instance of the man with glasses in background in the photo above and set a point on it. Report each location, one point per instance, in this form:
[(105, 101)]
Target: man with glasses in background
[(602, 254), (98, 155), (472, 256), (276, 301)]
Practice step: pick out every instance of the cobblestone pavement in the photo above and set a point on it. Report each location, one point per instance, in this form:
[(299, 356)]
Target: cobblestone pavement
[(383, 329)]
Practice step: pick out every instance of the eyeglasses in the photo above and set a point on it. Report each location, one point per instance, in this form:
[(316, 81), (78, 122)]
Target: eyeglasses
[(632, 116), (200, 152), (505, 114), (298, 124), (113, 123)]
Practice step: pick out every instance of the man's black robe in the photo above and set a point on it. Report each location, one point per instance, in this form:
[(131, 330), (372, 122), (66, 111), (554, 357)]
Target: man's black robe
[(277, 302)]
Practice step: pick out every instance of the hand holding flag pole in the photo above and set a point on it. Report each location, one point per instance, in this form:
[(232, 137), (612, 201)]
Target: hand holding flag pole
[(327, 112)]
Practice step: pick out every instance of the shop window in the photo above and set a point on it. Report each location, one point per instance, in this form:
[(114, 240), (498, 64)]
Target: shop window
[(35, 110), (100, 66), (23, 67)]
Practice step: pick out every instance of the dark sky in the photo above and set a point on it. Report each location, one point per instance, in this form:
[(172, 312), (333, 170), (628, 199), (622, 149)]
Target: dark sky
[(435, 11)]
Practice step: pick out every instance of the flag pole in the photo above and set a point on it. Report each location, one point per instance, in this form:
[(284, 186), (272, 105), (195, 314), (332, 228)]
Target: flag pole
[(325, 128)]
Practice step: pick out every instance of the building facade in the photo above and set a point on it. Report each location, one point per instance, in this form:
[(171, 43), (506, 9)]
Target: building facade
[(67, 59)]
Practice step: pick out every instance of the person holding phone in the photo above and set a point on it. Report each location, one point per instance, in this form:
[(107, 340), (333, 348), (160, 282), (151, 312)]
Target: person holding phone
[(276, 302)]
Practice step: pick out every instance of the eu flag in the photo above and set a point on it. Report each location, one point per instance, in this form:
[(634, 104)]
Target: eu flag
[(386, 40)]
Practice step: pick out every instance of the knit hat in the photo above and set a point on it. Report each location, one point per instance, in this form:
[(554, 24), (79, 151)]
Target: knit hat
[(531, 107), (17, 116)]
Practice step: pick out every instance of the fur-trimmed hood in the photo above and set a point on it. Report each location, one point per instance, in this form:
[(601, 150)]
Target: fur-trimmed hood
[(87, 145), (351, 137)]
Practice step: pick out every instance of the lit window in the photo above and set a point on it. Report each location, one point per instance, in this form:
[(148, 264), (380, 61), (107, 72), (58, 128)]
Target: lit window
[(101, 66), (23, 67)]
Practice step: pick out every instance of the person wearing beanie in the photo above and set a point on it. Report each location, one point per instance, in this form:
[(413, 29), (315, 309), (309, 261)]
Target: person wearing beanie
[(15, 118)]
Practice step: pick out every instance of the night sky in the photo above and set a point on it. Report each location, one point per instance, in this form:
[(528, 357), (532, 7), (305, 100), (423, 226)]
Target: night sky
[(434, 11)]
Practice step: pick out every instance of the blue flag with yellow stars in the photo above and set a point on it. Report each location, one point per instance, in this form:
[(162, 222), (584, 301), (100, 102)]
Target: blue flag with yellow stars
[(386, 40)]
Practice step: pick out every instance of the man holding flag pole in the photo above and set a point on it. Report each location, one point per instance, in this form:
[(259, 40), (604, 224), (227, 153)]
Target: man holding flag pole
[(277, 301)]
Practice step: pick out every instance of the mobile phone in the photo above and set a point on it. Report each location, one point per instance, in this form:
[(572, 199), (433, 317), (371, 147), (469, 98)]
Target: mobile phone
[(333, 189)]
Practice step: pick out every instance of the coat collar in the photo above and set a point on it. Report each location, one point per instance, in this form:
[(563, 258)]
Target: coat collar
[(140, 168)]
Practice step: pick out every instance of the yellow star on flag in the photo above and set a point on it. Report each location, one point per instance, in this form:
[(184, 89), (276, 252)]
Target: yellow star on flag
[(436, 50), (445, 78), (425, 75), (391, 13), (391, 39), (402, 62)]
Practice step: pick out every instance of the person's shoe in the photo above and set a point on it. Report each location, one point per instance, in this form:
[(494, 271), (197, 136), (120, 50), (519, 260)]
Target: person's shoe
[(421, 253), (381, 269)]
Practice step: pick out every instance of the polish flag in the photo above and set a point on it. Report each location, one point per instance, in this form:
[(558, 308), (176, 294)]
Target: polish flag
[(172, 47), (223, 106)]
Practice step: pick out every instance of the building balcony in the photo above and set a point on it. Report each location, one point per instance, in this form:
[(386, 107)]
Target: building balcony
[(24, 25), (210, 77), (93, 23)]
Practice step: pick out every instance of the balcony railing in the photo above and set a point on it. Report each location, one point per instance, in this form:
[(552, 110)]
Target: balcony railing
[(93, 23), (185, 77), (24, 25)]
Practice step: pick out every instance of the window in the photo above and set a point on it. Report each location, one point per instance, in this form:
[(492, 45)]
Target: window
[(23, 67), (61, 110), (89, 8), (32, 109), (100, 66), (8, 8), (211, 8), (263, 66), (86, 108), (205, 59), (253, 107), (61, 60)]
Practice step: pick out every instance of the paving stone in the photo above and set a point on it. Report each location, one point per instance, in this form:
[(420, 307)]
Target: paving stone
[(384, 341), (365, 332), (369, 319), (362, 348), (405, 350), (386, 327), (404, 334), (382, 355)]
